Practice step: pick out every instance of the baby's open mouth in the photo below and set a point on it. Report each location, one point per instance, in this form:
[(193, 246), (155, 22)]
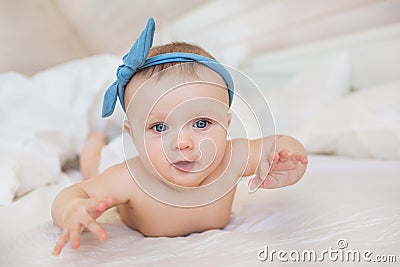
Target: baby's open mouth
[(184, 166)]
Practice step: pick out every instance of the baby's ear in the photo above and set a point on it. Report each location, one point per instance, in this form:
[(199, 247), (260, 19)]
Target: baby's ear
[(127, 127), (229, 119)]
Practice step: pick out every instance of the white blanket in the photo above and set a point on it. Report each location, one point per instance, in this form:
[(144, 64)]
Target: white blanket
[(45, 119), (338, 198)]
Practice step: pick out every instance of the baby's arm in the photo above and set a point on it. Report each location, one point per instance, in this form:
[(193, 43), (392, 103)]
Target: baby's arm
[(289, 161), (77, 207)]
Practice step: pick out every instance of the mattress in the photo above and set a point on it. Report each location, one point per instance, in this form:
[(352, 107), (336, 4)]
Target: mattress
[(341, 204)]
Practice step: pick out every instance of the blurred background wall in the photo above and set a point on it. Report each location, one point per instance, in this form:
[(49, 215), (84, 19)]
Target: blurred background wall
[(38, 34)]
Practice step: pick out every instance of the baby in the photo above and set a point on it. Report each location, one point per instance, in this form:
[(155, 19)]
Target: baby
[(177, 100)]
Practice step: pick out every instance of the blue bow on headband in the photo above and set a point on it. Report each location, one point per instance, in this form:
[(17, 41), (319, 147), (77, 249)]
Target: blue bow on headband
[(135, 60)]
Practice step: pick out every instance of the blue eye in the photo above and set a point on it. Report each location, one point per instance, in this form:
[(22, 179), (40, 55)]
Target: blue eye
[(201, 124), (160, 127)]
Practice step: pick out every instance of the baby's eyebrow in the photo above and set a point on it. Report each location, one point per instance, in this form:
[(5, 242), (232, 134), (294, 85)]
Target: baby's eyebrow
[(157, 115)]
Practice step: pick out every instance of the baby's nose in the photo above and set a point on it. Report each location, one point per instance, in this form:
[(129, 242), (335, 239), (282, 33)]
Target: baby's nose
[(184, 141)]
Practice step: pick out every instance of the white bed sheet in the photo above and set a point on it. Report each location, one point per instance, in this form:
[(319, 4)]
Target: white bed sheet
[(354, 199)]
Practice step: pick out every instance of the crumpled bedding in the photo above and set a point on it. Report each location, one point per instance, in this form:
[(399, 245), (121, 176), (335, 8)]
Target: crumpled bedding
[(45, 119), (339, 198)]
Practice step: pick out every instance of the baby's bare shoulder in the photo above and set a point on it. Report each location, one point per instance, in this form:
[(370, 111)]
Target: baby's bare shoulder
[(115, 182)]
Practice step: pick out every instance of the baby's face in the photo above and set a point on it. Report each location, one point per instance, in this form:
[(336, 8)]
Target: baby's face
[(180, 130)]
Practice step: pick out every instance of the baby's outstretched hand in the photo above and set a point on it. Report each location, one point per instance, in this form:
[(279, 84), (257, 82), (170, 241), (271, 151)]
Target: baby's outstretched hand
[(283, 171), (80, 215)]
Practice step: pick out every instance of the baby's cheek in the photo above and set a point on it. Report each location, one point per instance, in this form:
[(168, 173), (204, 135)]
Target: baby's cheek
[(220, 142), (215, 147), (155, 153), (152, 152)]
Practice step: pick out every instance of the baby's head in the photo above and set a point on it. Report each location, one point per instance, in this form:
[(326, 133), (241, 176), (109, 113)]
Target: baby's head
[(178, 115), (190, 69)]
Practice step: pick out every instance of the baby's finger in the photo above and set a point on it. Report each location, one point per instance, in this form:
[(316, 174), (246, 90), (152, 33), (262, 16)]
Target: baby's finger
[(101, 206), (283, 155), (301, 158), (97, 207), (62, 240), (276, 158), (304, 160), (95, 228), (105, 204), (75, 237)]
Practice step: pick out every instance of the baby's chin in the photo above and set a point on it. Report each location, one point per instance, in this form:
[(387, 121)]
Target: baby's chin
[(182, 184)]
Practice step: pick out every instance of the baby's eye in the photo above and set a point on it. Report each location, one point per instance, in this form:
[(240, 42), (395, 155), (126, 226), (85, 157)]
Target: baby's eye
[(201, 124), (160, 127)]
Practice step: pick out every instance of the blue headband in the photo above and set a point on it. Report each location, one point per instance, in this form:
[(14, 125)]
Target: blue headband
[(135, 60)]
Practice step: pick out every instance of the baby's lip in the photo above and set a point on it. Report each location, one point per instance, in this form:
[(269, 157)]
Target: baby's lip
[(184, 165)]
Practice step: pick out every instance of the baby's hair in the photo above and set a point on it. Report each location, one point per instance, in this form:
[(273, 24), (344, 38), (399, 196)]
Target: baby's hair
[(178, 47), (163, 49)]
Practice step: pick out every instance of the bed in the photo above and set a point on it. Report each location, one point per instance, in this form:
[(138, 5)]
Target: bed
[(348, 199)]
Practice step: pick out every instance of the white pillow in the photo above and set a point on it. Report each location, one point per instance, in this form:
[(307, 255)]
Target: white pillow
[(309, 92), (362, 124)]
